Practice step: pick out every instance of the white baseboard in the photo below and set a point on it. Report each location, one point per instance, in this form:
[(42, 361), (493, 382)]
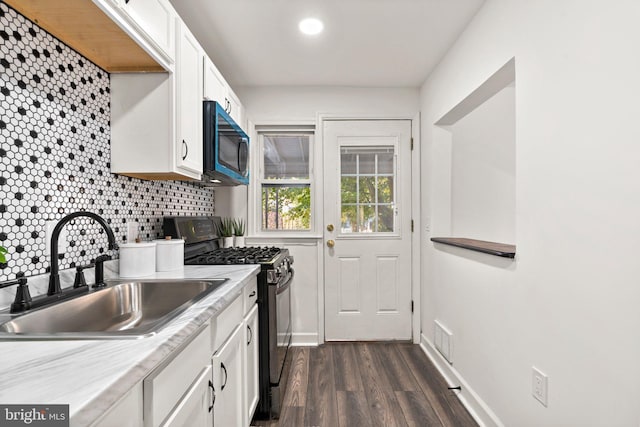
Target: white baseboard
[(304, 339), (470, 399)]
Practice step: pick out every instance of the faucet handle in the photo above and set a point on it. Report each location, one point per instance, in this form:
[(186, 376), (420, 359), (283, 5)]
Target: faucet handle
[(22, 301), (80, 280)]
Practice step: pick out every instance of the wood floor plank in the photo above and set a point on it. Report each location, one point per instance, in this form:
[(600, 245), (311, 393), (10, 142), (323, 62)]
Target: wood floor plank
[(321, 407), (383, 406), (293, 416), (353, 409), (346, 371), (296, 391), (416, 409), (400, 377), (365, 384), (450, 413)]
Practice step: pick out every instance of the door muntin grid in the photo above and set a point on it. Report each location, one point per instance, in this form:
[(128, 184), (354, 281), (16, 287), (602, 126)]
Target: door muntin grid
[(368, 190)]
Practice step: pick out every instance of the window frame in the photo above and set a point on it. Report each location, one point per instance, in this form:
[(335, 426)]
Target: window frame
[(257, 180)]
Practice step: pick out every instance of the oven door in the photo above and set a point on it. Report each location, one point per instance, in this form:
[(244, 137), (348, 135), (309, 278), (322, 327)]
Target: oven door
[(279, 337)]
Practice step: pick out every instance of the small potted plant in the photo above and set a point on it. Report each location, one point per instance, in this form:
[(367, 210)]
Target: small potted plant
[(238, 231), (225, 231), (3, 253)]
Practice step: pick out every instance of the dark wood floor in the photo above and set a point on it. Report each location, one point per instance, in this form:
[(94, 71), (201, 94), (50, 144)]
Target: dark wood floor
[(367, 384)]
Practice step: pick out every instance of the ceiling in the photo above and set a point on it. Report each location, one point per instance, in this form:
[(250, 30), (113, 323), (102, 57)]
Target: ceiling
[(366, 43)]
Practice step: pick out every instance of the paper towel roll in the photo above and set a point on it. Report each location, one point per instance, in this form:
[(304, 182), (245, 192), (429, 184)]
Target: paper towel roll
[(137, 259), (169, 254)]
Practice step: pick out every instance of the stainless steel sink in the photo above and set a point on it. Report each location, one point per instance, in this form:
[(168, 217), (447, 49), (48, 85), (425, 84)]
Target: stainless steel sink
[(125, 309)]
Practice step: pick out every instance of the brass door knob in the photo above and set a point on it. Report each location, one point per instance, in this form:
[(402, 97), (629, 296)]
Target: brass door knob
[(330, 227), (331, 243)]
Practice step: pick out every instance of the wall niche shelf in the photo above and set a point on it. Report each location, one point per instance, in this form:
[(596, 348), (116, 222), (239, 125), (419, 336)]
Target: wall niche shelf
[(492, 248)]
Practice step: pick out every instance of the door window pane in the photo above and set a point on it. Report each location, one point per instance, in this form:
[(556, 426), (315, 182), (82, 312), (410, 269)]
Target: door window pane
[(385, 189), (349, 189), (367, 184)]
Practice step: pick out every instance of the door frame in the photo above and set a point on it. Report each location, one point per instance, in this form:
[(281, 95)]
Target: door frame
[(416, 239)]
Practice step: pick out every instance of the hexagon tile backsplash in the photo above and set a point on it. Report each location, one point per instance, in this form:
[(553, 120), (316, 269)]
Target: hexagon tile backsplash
[(54, 155)]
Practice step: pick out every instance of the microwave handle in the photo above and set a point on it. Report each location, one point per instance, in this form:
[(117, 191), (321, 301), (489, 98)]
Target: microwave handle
[(243, 156)]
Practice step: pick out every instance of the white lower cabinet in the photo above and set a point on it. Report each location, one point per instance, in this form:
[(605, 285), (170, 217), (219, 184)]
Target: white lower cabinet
[(196, 407), (126, 413), (180, 385), (211, 381), (250, 359), (228, 381)]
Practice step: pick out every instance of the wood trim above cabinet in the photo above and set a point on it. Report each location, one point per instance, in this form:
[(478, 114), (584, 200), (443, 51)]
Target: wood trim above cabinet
[(84, 26)]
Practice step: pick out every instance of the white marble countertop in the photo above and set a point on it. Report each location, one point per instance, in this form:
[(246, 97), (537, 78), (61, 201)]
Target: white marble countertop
[(93, 375)]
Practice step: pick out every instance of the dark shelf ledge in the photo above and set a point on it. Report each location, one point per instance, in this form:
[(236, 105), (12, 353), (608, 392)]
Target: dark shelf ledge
[(492, 248)]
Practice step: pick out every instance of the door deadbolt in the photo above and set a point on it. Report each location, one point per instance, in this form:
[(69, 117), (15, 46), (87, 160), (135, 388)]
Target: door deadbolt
[(331, 243), (330, 227)]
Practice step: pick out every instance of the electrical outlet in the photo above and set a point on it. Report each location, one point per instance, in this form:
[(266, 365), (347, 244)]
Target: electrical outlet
[(539, 385)]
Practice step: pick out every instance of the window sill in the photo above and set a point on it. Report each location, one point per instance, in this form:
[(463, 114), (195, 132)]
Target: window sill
[(492, 248)]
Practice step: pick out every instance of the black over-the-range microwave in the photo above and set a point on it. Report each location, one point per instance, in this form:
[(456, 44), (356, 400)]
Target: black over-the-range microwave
[(226, 148)]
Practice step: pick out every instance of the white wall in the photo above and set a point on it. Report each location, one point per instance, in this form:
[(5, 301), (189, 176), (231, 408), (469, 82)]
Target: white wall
[(303, 103), (483, 171), (284, 105), (569, 302)]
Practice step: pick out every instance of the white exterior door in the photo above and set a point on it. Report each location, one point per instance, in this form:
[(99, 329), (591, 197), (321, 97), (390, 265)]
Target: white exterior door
[(367, 230)]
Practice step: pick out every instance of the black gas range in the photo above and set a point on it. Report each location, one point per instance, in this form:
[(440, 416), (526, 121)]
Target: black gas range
[(274, 296), (233, 256)]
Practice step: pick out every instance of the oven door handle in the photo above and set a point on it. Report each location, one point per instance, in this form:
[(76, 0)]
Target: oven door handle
[(282, 288)]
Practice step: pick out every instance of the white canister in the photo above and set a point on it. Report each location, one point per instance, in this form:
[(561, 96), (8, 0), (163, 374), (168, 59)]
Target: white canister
[(137, 259), (169, 254)]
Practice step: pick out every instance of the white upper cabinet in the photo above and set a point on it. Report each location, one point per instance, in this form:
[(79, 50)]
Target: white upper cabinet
[(215, 86), (189, 101), (217, 89), (157, 19), (150, 24), (235, 108), (156, 118)]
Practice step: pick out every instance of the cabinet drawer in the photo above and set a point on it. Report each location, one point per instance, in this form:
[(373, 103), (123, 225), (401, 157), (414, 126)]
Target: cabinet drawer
[(225, 323), (166, 385), (250, 295)]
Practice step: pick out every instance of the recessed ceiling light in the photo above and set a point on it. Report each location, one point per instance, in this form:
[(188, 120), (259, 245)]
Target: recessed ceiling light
[(311, 26)]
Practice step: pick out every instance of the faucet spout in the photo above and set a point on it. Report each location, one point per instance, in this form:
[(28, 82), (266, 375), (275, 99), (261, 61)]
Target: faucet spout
[(54, 278)]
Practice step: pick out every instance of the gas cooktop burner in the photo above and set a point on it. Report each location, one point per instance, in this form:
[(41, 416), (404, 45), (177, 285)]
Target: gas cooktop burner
[(231, 256)]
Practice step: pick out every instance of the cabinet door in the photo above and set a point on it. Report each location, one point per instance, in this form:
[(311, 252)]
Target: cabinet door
[(215, 86), (251, 363), (229, 382), (189, 101), (196, 407), (156, 18), (235, 110)]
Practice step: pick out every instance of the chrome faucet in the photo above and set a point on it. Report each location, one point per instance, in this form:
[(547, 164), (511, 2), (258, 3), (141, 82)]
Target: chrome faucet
[(54, 278)]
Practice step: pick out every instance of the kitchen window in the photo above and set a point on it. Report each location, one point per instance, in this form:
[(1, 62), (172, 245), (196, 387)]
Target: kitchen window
[(285, 180)]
